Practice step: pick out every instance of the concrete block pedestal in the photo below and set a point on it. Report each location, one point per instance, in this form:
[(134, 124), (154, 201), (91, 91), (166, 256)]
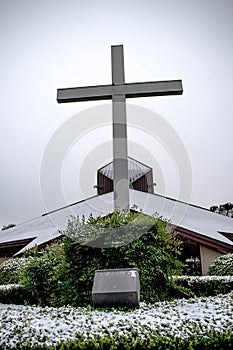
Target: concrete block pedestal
[(118, 287)]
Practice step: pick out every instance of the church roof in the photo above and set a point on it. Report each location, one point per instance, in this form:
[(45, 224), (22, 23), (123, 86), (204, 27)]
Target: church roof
[(135, 170), (186, 216), (208, 225)]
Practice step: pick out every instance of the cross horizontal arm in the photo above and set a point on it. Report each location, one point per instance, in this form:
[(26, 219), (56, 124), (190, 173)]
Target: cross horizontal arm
[(89, 93), (105, 92), (154, 88)]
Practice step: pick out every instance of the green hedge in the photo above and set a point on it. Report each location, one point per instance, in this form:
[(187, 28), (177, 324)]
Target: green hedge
[(203, 286), (209, 341), (185, 287), (222, 266), (10, 270), (15, 294)]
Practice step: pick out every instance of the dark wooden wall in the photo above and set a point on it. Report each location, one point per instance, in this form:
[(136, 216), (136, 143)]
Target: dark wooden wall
[(144, 183)]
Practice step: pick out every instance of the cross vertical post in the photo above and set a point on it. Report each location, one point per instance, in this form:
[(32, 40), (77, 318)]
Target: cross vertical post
[(120, 149)]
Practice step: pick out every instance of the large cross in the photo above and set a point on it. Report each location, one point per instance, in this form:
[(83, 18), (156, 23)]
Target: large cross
[(118, 91)]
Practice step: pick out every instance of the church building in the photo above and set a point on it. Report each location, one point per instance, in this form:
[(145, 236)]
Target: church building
[(205, 235)]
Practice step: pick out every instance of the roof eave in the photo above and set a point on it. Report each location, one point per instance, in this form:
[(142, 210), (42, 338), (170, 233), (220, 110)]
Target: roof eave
[(217, 245)]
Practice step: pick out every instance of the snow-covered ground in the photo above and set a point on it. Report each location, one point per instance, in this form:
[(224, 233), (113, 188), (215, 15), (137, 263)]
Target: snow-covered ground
[(21, 325)]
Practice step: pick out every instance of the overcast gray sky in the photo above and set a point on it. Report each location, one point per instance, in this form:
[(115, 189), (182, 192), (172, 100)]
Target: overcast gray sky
[(50, 44)]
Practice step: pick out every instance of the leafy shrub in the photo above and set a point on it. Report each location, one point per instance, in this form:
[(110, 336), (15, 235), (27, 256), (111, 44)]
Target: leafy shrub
[(184, 320), (10, 270), (203, 286), (153, 253), (15, 294), (63, 274), (222, 266), (208, 341), (40, 275), (211, 340)]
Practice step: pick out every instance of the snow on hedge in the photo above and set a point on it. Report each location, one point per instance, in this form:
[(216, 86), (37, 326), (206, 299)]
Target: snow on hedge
[(221, 266), (194, 279), (9, 286), (21, 325)]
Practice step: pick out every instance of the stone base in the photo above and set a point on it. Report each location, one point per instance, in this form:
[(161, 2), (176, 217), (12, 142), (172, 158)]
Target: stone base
[(120, 287)]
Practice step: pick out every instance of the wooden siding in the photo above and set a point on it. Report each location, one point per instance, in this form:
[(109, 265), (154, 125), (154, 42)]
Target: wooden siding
[(144, 183)]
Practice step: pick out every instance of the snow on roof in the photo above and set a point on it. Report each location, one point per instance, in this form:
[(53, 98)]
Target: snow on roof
[(135, 170), (48, 227), (190, 217), (187, 216)]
